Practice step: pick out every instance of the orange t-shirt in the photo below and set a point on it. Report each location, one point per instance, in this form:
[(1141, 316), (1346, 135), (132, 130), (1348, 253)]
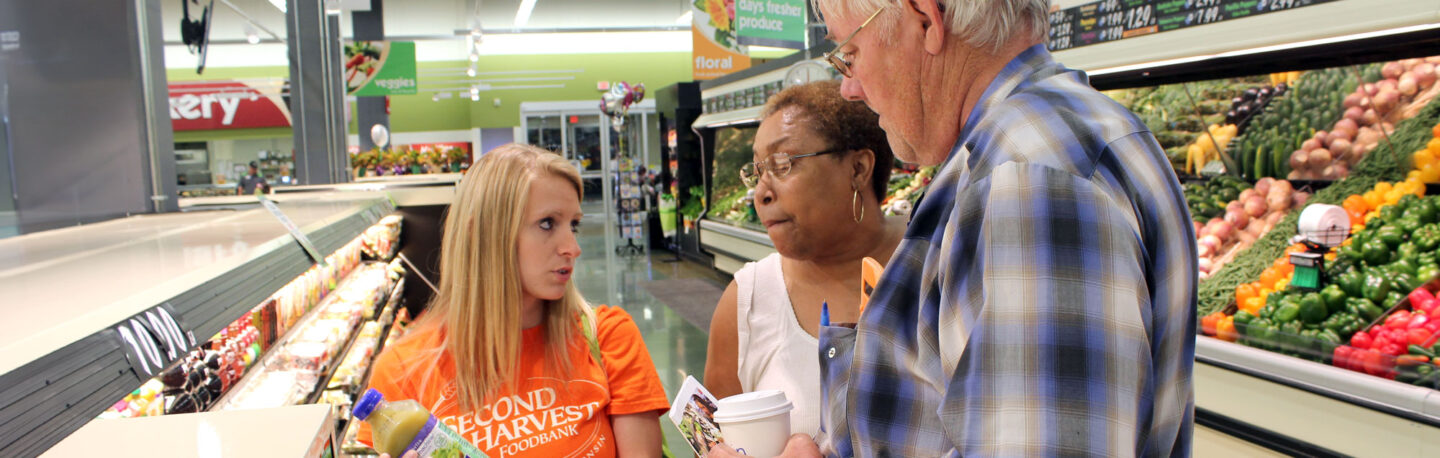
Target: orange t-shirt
[(544, 416)]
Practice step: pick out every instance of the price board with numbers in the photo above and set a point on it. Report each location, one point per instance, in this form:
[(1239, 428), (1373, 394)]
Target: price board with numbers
[(1110, 20)]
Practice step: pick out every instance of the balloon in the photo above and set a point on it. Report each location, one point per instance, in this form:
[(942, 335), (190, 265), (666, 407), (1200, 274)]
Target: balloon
[(639, 90), (604, 108), (380, 135)]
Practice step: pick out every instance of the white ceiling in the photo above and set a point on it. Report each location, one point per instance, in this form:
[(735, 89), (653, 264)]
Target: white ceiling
[(410, 19)]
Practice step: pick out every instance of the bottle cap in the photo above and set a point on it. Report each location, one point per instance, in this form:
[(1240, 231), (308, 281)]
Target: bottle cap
[(366, 405)]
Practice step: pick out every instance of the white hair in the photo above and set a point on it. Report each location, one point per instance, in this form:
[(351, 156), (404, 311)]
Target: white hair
[(981, 23)]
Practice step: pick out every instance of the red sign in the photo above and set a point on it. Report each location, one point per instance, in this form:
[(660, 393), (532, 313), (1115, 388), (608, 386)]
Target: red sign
[(210, 105)]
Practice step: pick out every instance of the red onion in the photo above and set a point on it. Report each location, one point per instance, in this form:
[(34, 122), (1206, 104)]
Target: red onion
[(1255, 191), (1262, 185), (1387, 100), (1309, 145), (1353, 100), (1214, 242), (1348, 126), (1353, 113), (1237, 219), (1370, 117), (1391, 70), (1277, 202), (1370, 89), (1424, 74), (1319, 159), (1282, 185), (1255, 207), (1408, 85), (1198, 226), (1205, 265), (1299, 159), (1203, 250), (1340, 147), (1322, 136), (1235, 206)]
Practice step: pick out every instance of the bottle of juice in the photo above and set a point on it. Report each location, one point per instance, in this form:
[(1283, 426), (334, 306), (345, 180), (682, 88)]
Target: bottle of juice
[(402, 426)]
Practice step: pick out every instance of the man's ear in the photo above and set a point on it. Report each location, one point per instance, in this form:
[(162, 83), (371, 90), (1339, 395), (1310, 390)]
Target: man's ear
[(933, 20)]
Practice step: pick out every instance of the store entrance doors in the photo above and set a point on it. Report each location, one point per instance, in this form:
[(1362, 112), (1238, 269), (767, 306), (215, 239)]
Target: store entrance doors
[(589, 140)]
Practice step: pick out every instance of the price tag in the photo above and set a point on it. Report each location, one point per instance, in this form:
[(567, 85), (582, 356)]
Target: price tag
[(1109, 20), (294, 230), (153, 339)]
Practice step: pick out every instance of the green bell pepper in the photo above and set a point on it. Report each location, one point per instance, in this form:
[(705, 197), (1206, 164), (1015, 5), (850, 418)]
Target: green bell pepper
[(1392, 235), (1334, 298), (1393, 298), (1352, 283), (1376, 252), (1408, 252), (1376, 286), (1404, 281), (1391, 213), (1408, 224), (1313, 309), (1364, 308), (1427, 238), (1424, 213), (1289, 311), (1426, 272)]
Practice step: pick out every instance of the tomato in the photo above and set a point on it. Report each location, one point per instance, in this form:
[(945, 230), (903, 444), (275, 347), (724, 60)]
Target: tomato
[(1398, 320), (1341, 358)]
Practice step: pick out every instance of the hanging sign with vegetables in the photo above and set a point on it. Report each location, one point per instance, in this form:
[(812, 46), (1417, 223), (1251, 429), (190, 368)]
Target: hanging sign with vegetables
[(380, 68)]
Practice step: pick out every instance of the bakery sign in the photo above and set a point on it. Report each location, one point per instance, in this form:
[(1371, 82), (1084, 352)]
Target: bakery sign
[(211, 105)]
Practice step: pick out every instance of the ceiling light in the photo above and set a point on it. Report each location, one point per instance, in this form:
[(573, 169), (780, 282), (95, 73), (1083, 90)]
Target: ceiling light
[(522, 16), (687, 18), (251, 35), (474, 57), (279, 4), (470, 72), (474, 93)]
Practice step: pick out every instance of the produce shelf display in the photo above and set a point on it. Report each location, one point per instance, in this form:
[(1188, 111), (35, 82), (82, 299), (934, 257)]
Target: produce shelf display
[(303, 317)]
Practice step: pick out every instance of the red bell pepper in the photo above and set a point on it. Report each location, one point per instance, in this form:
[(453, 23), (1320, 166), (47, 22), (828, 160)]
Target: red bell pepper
[(1398, 319), (1417, 320), (1342, 356), (1420, 295), (1362, 340), (1419, 336)]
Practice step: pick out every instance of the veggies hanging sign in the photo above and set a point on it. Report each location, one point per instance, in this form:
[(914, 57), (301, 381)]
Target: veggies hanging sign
[(380, 68)]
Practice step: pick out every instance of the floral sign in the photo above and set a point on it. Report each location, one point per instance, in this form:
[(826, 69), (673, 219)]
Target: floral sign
[(717, 51)]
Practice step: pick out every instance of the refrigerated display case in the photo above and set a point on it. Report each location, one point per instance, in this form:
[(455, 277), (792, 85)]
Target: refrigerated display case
[(96, 311)]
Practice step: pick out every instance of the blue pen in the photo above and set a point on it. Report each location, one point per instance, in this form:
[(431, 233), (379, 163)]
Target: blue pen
[(824, 313)]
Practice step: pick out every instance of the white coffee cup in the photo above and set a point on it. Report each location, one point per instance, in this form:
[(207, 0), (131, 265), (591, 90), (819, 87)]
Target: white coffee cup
[(755, 423)]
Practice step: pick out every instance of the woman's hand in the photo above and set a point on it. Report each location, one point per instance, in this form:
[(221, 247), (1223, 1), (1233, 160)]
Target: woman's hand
[(799, 445)]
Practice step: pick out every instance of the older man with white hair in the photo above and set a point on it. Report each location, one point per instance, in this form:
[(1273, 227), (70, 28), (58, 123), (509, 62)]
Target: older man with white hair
[(1043, 300)]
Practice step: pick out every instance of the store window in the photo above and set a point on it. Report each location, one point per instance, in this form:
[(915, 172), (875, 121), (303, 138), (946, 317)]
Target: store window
[(213, 168)]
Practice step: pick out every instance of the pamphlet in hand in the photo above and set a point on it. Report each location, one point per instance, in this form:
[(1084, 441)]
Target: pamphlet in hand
[(694, 414)]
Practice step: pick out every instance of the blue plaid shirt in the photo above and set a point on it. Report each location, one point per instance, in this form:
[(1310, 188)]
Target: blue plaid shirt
[(1043, 300)]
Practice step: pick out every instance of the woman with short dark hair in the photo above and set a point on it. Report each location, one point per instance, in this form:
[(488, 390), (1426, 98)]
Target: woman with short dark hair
[(822, 166)]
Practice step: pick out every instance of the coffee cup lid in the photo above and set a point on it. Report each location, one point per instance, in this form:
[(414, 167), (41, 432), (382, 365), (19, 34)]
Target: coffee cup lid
[(751, 406)]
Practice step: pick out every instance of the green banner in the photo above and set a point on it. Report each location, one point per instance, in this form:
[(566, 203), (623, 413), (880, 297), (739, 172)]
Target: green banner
[(777, 23), (379, 68)]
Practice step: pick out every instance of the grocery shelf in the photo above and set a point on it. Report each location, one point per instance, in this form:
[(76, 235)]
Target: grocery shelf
[(303, 431), (1323, 407), (1314, 36), (339, 357), (733, 246), (62, 360)]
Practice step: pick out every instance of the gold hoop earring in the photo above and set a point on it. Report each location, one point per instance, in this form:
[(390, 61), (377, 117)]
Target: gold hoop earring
[(856, 203)]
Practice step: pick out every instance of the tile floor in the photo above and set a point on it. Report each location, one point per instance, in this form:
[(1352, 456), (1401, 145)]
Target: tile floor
[(676, 346)]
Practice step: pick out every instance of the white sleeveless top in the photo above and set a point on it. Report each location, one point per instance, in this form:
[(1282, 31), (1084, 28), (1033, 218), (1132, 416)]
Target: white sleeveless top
[(774, 352)]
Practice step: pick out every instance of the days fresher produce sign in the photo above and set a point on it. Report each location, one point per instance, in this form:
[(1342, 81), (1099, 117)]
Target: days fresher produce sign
[(380, 68), (778, 23), (211, 105)]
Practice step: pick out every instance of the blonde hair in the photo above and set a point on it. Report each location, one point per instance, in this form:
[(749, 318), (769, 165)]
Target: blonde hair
[(477, 307)]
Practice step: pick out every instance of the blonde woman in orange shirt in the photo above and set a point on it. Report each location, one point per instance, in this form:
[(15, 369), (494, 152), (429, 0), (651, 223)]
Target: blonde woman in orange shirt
[(509, 354)]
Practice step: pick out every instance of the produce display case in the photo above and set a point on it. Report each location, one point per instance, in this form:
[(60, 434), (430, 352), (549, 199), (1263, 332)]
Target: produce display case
[(155, 287), (1263, 119)]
